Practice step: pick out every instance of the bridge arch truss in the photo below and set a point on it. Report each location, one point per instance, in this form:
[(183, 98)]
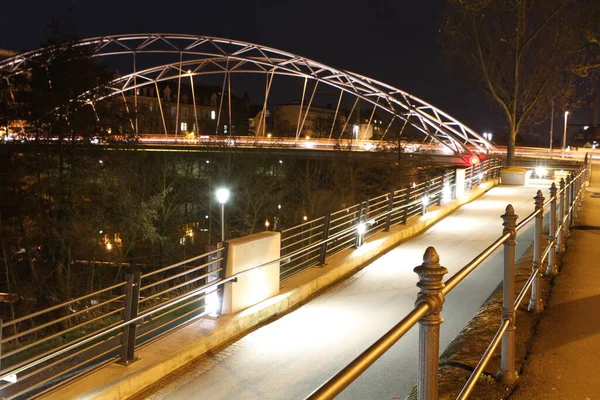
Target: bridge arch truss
[(193, 56)]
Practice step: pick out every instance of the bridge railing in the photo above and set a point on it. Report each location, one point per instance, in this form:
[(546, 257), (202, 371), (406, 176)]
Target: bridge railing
[(562, 207), (62, 341), (312, 242), (67, 338)]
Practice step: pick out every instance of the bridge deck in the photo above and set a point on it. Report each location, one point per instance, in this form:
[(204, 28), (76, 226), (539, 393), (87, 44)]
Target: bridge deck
[(290, 357)]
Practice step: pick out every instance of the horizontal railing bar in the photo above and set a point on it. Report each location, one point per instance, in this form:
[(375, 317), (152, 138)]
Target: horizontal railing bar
[(528, 219), (55, 363), (171, 288), (467, 269), (312, 221), (66, 303), (50, 352), (38, 384), (179, 264), (485, 359), (189, 271), (303, 232), (346, 376), (37, 328), (526, 287), (57, 334), (166, 312)]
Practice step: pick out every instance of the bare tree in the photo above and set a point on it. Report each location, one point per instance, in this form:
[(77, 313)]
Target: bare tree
[(520, 52)]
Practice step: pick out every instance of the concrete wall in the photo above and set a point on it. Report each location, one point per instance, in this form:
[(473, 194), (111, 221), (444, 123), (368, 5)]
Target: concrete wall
[(259, 284)]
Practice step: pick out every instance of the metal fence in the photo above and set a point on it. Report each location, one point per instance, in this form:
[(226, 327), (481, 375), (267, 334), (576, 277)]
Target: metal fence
[(563, 205), (60, 342), (312, 242)]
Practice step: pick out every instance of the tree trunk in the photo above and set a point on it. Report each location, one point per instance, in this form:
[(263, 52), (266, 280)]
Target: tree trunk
[(510, 149)]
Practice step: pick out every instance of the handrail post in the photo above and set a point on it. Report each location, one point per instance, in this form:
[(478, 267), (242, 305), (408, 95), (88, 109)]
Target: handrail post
[(406, 203), (507, 374), (222, 275), (551, 267), (132, 298), (388, 218), (535, 302), (572, 201), (425, 200), (480, 174), (325, 237), (431, 274), (441, 191), (360, 225), (561, 222), (568, 201)]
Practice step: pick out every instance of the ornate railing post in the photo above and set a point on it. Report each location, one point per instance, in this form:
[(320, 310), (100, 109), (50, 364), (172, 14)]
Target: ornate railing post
[(431, 274), (535, 303), (562, 236), (388, 218), (326, 224), (551, 269), (132, 299), (507, 374)]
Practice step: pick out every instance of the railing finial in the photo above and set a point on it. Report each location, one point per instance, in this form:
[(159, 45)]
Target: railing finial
[(431, 274)]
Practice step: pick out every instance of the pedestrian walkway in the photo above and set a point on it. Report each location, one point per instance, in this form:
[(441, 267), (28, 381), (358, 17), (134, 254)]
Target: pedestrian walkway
[(564, 355), (290, 357)]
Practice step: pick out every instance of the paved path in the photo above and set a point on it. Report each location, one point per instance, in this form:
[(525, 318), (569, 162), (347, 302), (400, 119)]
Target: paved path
[(292, 356), (564, 360)]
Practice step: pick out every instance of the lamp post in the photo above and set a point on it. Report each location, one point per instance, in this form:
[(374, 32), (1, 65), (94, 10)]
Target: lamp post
[(222, 197), (565, 134)]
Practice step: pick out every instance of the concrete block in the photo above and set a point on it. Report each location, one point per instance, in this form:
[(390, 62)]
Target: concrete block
[(515, 176), (259, 284)]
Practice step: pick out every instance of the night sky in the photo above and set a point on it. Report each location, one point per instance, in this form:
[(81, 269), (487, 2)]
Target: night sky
[(389, 40)]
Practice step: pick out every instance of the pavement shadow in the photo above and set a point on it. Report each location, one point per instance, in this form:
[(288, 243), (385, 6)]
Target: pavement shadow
[(570, 322)]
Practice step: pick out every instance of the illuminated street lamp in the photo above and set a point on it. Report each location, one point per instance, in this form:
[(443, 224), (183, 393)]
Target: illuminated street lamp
[(565, 133), (222, 197)]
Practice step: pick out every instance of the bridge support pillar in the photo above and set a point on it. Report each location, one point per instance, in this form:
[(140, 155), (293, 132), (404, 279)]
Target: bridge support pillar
[(431, 274), (508, 374)]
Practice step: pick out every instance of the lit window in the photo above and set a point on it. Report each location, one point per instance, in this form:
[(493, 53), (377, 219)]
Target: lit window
[(355, 130), (225, 128), (213, 114), (184, 126)]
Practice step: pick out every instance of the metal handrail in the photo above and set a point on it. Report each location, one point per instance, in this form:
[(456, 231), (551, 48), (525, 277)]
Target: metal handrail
[(56, 307), (179, 264), (341, 380), (485, 359), (470, 267), (68, 347), (360, 364)]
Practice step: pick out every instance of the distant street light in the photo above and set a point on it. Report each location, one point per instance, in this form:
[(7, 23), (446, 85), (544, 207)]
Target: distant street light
[(222, 197), (564, 146)]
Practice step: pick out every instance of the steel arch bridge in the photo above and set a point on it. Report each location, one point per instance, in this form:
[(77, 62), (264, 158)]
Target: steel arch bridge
[(203, 55)]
